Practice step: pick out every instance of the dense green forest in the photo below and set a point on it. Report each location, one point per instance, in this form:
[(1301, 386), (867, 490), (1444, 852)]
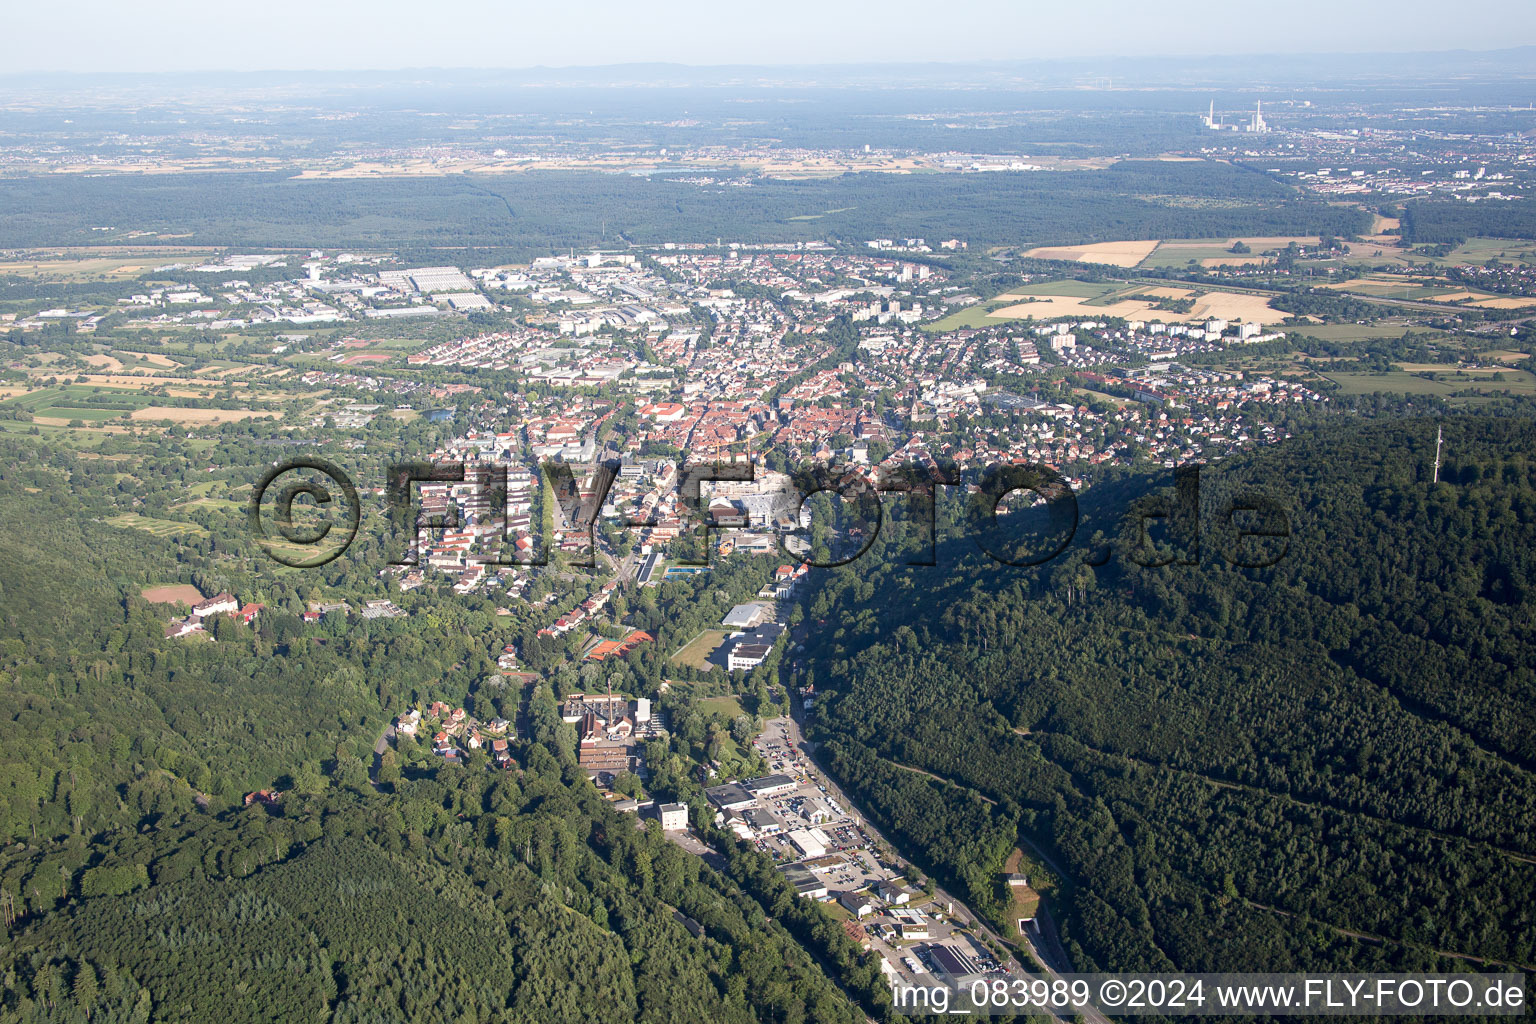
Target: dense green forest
[(1447, 222), (461, 896), (542, 211), (1323, 764)]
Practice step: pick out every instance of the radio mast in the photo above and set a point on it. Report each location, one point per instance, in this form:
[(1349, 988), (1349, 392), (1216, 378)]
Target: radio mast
[(1438, 439)]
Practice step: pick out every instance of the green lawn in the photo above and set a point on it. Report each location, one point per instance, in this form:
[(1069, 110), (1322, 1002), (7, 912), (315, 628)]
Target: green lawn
[(730, 707), (1352, 332), (1180, 255), (970, 316), (1479, 250), (1073, 288), (1397, 290), (695, 653), (72, 413)]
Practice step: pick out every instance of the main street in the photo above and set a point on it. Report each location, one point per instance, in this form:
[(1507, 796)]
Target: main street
[(788, 730), (1046, 949)]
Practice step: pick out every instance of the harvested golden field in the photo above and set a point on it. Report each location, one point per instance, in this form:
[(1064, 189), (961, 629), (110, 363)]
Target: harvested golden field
[(58, 421), (160, 412), (224, 371), (144, 383), (73, 269), (1115, 254), (105, 362), (1506, 302), (1044, 307), (1236, 306), (1232, 306)]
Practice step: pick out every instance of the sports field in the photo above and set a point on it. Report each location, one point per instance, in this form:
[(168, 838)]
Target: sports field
[(695, 653)]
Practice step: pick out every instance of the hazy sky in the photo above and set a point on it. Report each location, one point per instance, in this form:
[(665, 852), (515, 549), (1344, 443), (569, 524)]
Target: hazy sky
[(170, 35)]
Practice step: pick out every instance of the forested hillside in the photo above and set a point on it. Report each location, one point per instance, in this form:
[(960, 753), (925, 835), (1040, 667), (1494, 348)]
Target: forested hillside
[(461, 896), (1325, 764), (137, 883)]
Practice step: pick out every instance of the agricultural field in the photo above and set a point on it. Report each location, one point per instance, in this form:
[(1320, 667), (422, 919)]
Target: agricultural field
[(1379, 249), (155, 413), (1376, 248), (59, 404), (158, 527), (1390, 287), (1439, 382), (1044, 302), (1211, 252), (1356, 332), (104, 398), (1429, 289), (141, 362), (1090, 299), (1173, 252), (1481, 250), (1080, 289), (1114, 254), (90, 264)]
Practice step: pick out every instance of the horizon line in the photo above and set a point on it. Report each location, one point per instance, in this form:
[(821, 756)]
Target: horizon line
[(984, 64)]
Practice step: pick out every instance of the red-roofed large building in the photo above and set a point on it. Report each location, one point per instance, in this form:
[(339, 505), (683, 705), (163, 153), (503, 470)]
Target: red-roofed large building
[(662, 412)]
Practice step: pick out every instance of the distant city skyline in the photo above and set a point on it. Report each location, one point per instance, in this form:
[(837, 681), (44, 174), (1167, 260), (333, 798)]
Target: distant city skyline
[(287, 35)]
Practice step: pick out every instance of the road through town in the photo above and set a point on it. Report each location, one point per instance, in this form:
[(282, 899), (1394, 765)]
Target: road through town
[(1046, 949)]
